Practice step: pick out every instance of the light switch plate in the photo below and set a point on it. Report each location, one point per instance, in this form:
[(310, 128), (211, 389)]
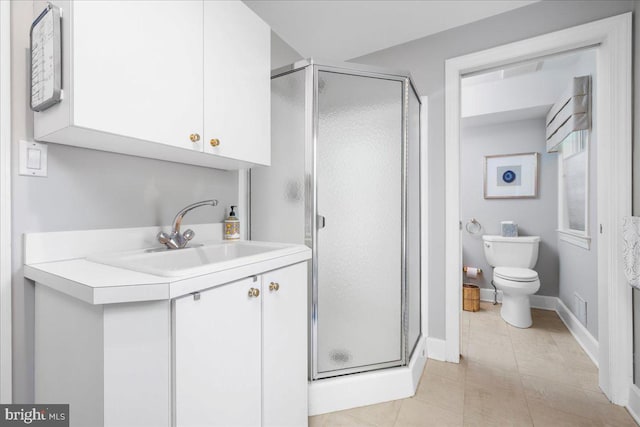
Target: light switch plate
[(33, 158)]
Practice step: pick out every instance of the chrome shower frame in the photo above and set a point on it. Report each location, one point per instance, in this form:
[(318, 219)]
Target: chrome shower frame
[(312, 68)]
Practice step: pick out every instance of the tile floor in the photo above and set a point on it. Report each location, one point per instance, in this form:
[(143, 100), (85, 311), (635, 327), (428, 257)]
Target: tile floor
[(506, 377)]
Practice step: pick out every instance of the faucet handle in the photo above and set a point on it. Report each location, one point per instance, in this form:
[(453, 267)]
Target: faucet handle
[(167, 240), (189, 234), (163, 237)]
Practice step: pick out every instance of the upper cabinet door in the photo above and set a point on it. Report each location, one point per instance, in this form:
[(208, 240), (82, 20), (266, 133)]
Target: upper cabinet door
[(137, 69), (237, 73)]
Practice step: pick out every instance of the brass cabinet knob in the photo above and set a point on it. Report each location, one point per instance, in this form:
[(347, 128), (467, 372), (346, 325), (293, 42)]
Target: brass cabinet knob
[(253, 292), (274, 286), (194, 137), (214, 142)]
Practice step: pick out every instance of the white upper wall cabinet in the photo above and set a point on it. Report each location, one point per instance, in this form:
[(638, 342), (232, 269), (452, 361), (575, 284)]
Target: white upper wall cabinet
[(137, 69), (237, 56), (184, 81)]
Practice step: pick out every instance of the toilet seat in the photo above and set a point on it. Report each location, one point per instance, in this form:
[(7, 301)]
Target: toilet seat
[(516, 274)]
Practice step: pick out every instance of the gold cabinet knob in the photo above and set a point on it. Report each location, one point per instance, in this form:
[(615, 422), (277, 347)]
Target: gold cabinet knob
[(194, 137), (214, 142), (253, 292), (273, 286)]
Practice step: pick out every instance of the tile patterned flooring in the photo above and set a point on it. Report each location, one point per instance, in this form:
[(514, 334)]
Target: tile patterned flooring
[(506, 377)]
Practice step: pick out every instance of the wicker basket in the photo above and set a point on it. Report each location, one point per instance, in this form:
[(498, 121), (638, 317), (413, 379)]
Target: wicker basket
[(470, 297)]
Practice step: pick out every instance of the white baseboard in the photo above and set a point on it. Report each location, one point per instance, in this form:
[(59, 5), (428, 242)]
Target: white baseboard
[(634, 403), (487, 295), (436, 349), (588, 343), (544, 302)]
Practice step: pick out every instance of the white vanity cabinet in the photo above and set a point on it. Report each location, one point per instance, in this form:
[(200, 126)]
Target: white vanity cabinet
[(240, 354), (284, 325), (224, 344), (217, 350), (185, 81)]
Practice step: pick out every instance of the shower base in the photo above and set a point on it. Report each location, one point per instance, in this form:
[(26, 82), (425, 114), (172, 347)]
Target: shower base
[(368, 388)]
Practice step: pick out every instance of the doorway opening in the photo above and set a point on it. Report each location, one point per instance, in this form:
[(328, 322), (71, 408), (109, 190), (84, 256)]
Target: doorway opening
[(516, 173), (611, 39)]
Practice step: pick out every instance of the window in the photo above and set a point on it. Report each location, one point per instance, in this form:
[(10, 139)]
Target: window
[(573, 189)]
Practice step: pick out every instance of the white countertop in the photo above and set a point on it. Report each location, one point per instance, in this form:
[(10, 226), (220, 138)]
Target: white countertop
[(97, 283)]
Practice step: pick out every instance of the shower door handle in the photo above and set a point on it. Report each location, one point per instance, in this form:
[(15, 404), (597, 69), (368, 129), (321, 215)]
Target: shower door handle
[(321, 221)]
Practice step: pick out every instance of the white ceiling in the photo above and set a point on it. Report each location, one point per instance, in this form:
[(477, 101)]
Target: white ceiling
[(344, 29), (521, 91), (537, 112), (554, 62)]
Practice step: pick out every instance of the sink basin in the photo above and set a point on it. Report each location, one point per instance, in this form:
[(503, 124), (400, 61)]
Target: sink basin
[(204, 259)]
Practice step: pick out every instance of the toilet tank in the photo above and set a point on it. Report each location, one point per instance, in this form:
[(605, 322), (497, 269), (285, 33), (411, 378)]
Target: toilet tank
[(519, 251)]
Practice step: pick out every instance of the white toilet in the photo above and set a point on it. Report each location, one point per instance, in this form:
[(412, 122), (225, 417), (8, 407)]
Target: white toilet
[(513, 259)]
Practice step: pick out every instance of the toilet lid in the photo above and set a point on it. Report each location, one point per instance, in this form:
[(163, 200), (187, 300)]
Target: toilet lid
[(516, 274)]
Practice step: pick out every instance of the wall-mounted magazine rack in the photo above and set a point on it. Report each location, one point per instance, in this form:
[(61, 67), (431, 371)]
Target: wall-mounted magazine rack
[(46, 51)]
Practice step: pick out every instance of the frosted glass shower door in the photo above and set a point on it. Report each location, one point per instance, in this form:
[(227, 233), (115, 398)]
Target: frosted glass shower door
[(359, 187)]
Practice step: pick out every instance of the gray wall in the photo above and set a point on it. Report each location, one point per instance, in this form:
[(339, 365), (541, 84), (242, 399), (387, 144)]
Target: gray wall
[(535, 217), (578, 274), (281, 53), (579, 266), (425, 59), (88, 189)]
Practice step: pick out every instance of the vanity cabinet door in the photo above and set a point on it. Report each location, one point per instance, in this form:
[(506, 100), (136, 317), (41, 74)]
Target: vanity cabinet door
[(217, 346), (285, 373), (237, 83), (137, 70)]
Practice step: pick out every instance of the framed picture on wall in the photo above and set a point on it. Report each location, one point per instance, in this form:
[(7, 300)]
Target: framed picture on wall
[(511, 176)]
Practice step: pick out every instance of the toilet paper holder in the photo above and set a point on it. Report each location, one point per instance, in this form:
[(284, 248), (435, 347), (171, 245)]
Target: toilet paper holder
[(464, 269)]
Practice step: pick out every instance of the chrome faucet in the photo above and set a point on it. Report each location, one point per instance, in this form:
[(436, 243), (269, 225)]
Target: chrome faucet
[(177, 240)]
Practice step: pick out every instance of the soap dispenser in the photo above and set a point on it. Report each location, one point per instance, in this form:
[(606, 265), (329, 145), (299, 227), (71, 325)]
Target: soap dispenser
[(232, 226)]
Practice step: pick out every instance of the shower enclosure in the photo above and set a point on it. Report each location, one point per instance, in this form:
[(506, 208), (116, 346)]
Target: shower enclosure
[(345, 180)]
